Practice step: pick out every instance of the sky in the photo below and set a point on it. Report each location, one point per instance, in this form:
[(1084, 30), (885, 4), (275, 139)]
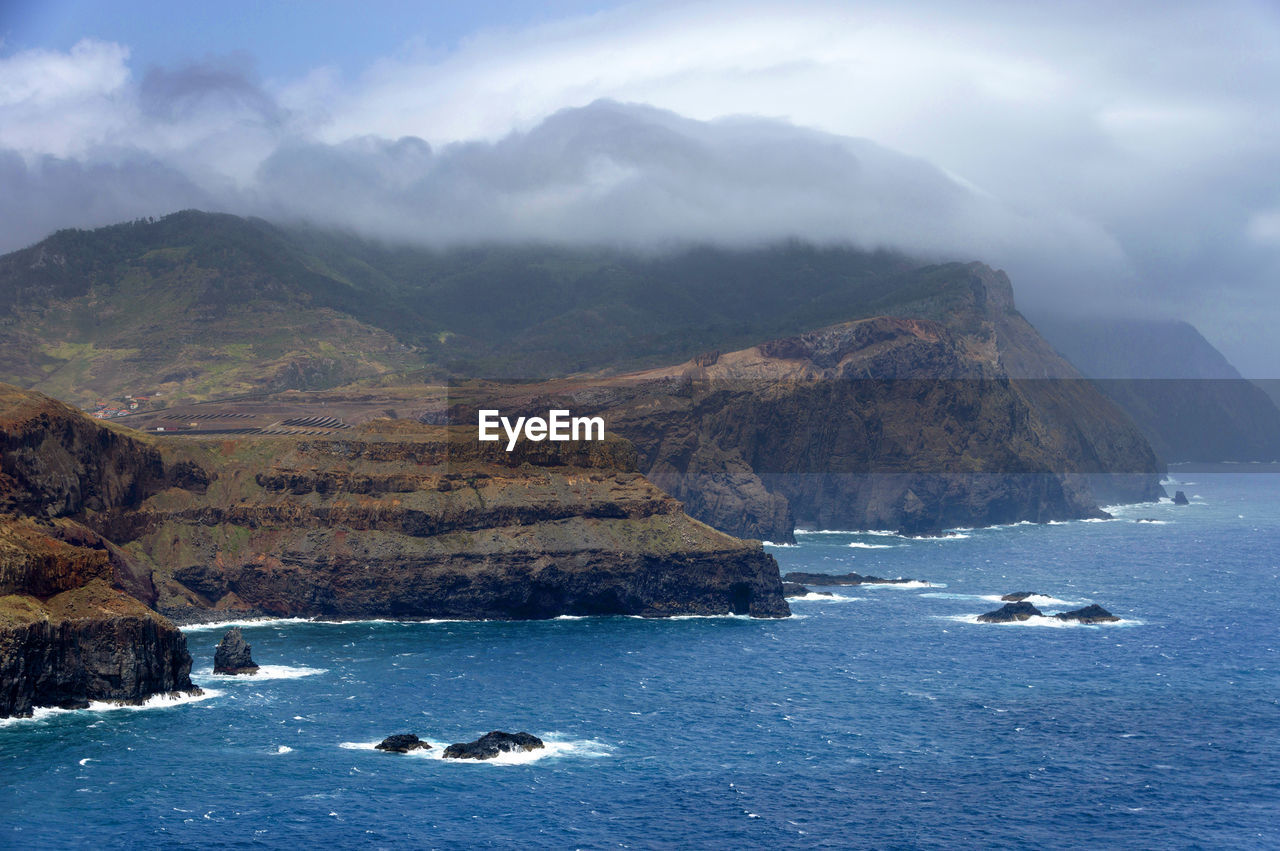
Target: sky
[(1118, 158)]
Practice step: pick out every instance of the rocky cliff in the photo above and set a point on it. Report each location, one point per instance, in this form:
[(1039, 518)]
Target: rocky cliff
[(394, 519), (1189, 401), (959, 415), (411, 521), (73, 624)]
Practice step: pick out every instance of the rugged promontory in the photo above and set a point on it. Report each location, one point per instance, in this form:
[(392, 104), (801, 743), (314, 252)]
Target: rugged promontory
[(102, 528), (74, 624), (405, 520), (952, 412)]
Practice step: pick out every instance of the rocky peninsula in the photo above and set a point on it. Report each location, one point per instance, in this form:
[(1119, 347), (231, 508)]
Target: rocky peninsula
[(107, 537)]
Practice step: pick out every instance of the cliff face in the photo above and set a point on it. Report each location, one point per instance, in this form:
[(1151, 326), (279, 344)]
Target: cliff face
[(1189, 401), (916, 424), (67, 635), (411, 521), (74, 626), (395, 519), (89, 643)]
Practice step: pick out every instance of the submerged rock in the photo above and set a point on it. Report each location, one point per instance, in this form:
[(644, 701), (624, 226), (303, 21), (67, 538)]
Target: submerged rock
[(403, 743), (800, 578), (795, 589), (1019, 596), (1089, 614), (1010, 613), (492, 744), (1180, 498), (232, 655)]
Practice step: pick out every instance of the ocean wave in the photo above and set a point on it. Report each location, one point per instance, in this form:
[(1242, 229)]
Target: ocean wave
[(949, 536), (781, 546), (859, 545), (1034, 599), (906, 586), (156, 701), (1037, 600), (553, 748), (202, 627), (814, 597), (1041, 621), (284, 749), (243, 622), (265, 672)]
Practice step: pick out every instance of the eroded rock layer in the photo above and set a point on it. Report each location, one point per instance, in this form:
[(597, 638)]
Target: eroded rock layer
[(411, 521)]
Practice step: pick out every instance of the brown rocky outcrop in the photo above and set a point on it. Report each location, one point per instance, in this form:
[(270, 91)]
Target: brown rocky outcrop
[(68, 636), (468, 531), (396, 519)]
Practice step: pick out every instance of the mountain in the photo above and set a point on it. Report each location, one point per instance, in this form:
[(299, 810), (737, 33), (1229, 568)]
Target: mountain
[(1189, 401), (198, 306)]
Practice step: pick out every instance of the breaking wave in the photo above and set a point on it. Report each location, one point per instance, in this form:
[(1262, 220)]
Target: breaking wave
[(554, 748), (1042, 621), (156, 701), (265, 672)]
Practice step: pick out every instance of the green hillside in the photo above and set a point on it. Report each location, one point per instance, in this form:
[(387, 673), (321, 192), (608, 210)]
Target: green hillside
[(198, 305)]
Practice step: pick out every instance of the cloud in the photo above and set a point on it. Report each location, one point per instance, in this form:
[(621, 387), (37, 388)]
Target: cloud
[(1118, 155)]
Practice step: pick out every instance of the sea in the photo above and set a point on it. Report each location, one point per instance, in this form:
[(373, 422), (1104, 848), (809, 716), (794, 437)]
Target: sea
[(877, 717)]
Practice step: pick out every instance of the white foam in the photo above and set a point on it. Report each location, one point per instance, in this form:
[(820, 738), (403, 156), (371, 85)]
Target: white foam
[(1042, 621), (553, 748), (284, 749), (202, 627), (780, 546), (914, 583), (1037, 600), (814, 597), (156, 701), (265, 672), (836, 532), (949, 536), (859, 545)]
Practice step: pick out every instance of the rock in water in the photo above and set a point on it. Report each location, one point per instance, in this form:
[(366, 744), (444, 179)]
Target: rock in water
[(1180, 498), (232, 656), (1010, 613), (794, 589), (1089, 614), (832, 579), (1018, 596), (492, 744), (403, 743)]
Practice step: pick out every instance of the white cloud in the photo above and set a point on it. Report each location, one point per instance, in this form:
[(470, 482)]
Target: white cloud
[(1118, 153)]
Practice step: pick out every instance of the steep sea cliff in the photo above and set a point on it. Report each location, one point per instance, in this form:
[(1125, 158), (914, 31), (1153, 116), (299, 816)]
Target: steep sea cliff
[(100, 528)]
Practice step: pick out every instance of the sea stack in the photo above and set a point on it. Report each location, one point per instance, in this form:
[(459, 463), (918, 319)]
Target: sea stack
[(402, 743), (232, 656), (1180, 498), (1089, 614), (492, 744), (1011, 613)]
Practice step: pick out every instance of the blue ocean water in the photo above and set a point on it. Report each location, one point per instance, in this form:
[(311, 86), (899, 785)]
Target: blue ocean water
[(879, 718)]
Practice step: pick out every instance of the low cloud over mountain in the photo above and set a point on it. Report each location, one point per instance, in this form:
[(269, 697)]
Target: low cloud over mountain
[(1120, 159)]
